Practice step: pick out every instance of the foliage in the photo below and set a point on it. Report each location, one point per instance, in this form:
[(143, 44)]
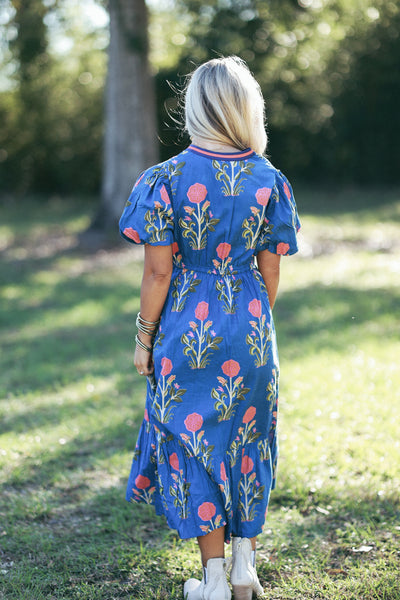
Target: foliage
[(329, 70), (53, 111), (72, 405)]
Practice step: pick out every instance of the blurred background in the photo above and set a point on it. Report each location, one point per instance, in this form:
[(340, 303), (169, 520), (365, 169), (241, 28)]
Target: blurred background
[(88, 99), (88, 88)]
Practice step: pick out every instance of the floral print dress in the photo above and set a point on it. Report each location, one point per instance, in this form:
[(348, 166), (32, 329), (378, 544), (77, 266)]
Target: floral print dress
[(207, 448)]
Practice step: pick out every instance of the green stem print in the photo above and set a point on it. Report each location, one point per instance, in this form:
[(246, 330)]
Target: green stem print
[(179, 490), (183, 284), (246, 435), (250, 491), (227, 286), (169, 170), (230, 391), (260, 335), (168, 392), (160, 218), (263, 449), (225, 489), (200, 340), (198, 222), (195, 445), (257, 222), (142, 490), (230, 175)]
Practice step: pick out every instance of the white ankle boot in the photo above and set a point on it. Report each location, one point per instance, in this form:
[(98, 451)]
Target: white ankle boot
[(213, 586), (244, 578)]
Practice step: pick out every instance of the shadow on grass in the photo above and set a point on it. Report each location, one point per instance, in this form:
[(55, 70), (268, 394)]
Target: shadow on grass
[(41, 348), (318, 317), (79, 453), (308, 320), (126, 551)]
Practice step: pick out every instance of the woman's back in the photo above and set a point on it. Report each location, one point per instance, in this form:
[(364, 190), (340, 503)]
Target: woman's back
[(213, 411), (201, 199)]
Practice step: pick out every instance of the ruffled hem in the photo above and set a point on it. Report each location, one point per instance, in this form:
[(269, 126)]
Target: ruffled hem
[(197, 495)]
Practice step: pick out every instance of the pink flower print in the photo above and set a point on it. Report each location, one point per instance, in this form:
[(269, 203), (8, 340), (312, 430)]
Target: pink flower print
[(282, 248), (193, 422), (164, 195), (142, 482), (190, 210), (263, 195), (249, 414), (175, 248), (174, 461), (201, 311), (255, 211), (223, 472), (166, 366), (287, 190), (206, 511), (247, 465), (146, 415), (223, 250), (157, 204), (255, 308), (196, 193), (132, 234), (230, 368), (213, 333), (192, 324)]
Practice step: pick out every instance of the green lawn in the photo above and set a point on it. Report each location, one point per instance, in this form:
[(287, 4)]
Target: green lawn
[(72, 404)]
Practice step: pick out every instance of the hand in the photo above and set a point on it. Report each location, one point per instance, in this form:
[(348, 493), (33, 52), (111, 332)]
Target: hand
[(143, 361)]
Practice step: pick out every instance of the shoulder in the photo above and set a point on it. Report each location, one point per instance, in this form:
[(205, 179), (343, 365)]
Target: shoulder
[(162, 172)]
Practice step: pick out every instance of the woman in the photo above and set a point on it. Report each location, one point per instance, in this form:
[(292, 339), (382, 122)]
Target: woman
[(207, 449)]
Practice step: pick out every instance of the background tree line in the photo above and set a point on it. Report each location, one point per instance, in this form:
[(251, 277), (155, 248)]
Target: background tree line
[(329, 70)]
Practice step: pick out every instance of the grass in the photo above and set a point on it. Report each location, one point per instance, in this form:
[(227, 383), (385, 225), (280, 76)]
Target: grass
[(72, 404)]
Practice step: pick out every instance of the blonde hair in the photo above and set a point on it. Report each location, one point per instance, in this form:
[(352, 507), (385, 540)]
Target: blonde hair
[(224, 103)]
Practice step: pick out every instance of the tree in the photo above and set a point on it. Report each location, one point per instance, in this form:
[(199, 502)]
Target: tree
[(130, 140), (30, 50)]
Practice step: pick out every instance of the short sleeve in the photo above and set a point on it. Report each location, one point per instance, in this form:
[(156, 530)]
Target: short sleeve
[(148, 215), (279, 232)]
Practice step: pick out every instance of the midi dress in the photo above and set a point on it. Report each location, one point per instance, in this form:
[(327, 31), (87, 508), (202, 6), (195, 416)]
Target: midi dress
[(207, 448)]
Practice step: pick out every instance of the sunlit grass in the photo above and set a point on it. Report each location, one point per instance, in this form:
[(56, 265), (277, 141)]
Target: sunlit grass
[(72, 404)]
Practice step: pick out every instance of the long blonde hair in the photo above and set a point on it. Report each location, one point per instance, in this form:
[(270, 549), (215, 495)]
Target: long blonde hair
[(224, 103)]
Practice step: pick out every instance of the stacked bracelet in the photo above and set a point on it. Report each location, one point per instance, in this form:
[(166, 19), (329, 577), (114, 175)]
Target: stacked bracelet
[(146, 327), (142, 345)]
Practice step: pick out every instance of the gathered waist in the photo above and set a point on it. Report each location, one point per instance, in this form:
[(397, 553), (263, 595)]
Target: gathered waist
[(219, 271)]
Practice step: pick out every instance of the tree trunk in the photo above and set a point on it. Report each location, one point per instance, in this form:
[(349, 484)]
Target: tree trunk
[(130, 141)]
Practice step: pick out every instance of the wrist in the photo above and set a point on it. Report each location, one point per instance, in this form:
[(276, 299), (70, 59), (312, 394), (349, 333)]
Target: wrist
[(145, 338)]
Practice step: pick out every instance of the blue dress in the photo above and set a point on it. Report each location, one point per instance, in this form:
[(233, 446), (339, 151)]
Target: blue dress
[(207, 448)]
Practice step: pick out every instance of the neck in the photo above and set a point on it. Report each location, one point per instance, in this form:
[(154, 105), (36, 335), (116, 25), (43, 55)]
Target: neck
[(215, 145)]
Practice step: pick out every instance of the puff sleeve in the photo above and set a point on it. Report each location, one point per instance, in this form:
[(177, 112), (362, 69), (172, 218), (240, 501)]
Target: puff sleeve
[(281, 220), (148, 215)]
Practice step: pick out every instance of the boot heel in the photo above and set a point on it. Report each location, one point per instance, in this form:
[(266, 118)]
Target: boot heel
[(242, 592)]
